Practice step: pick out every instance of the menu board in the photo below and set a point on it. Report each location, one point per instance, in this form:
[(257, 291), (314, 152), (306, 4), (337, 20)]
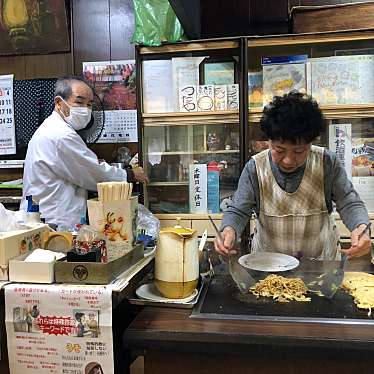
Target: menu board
[(7, 126)]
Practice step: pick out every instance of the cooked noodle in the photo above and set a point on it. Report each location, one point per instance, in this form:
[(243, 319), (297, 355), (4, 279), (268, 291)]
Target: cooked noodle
[(361, 286), (281, 289)]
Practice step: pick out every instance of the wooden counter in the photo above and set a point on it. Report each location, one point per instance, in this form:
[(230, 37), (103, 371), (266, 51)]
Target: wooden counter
[(172, 342)]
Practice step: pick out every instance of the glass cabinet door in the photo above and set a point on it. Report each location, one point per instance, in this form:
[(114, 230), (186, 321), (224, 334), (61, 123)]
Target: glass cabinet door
[(353, 142), (170, 150), (352, 139)]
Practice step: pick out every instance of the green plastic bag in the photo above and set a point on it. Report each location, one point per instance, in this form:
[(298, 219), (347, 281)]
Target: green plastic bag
[(156, 23)]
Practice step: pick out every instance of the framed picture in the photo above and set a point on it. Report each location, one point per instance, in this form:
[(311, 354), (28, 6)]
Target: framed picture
[(33, 26), (214, 71)]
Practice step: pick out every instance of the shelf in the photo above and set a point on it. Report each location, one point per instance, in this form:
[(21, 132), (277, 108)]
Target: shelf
[(191, 46), (156, 184), (11, 164), (185, 216), (310, 38), (330, 112), (192, 118), (192, 152)]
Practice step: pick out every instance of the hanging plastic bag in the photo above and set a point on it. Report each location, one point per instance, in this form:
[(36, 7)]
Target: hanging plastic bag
[(12, 220), (156, 23), (147, 225)]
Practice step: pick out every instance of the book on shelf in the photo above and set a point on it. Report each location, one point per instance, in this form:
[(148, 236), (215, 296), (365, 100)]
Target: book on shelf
[(277, 60), (219, 73), (343, 79), (282, 74), (255, 93), (157, 83), (185, 72)]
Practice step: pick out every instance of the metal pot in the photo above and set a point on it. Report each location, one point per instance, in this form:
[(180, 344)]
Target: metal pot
[(177, 262)]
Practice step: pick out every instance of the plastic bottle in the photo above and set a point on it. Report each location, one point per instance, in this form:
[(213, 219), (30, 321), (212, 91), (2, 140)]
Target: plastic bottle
[(33, 214)]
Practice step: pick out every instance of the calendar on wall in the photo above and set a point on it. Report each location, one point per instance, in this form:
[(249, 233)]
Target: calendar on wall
[(7, 127), (120, 127), (115, 84)]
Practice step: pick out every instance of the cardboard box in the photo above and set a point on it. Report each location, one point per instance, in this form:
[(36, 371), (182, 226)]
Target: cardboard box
[(338, 17), (117, 221), (14, 243), (96, 272), (31, 272)]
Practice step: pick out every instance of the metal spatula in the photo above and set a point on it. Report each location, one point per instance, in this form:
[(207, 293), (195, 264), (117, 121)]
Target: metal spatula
[(241, 277), (332, 280)]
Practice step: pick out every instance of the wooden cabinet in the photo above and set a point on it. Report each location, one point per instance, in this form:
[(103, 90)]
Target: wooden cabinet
[(176, 136), (353, 119), (184, 136)]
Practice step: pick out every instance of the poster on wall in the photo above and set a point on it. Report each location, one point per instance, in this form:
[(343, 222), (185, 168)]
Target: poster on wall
[(33, 26), (7, 127), (115, 84), (59, 329)]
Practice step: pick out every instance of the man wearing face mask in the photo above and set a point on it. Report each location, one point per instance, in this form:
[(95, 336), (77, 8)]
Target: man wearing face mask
[(59, 167)]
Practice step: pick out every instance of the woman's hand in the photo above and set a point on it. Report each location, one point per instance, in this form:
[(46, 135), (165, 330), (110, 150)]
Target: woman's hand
[(228, 236), (359, 247)]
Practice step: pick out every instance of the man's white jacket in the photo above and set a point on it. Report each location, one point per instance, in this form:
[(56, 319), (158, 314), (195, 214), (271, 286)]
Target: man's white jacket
[(59, 169)]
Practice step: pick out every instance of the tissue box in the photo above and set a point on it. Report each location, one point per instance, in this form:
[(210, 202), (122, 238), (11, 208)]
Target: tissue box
[(31, 272), (14, 243), (117, 221)]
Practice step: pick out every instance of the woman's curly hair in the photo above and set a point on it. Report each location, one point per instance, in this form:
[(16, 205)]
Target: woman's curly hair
[(293, 117)]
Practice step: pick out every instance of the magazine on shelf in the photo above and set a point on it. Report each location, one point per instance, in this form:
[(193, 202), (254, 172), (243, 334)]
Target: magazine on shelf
[(255, 92), (157, 83), (185, 72), (343, 79), (282, 74)]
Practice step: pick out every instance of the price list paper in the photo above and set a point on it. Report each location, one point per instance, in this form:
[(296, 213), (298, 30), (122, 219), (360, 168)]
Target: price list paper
[(59, 329), (7, 127)]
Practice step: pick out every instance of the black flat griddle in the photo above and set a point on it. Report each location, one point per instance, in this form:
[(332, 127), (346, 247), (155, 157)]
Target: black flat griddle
[(222, 300)]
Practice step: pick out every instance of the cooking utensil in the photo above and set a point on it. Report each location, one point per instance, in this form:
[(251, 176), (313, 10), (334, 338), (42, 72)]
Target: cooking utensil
[(241, 277), (334, 278), (203, 240)]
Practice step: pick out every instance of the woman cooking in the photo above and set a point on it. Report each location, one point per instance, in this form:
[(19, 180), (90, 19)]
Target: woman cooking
[(291, 189)]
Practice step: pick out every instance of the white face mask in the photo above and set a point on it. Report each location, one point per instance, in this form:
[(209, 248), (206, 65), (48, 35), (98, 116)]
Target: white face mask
[(79, 116)]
